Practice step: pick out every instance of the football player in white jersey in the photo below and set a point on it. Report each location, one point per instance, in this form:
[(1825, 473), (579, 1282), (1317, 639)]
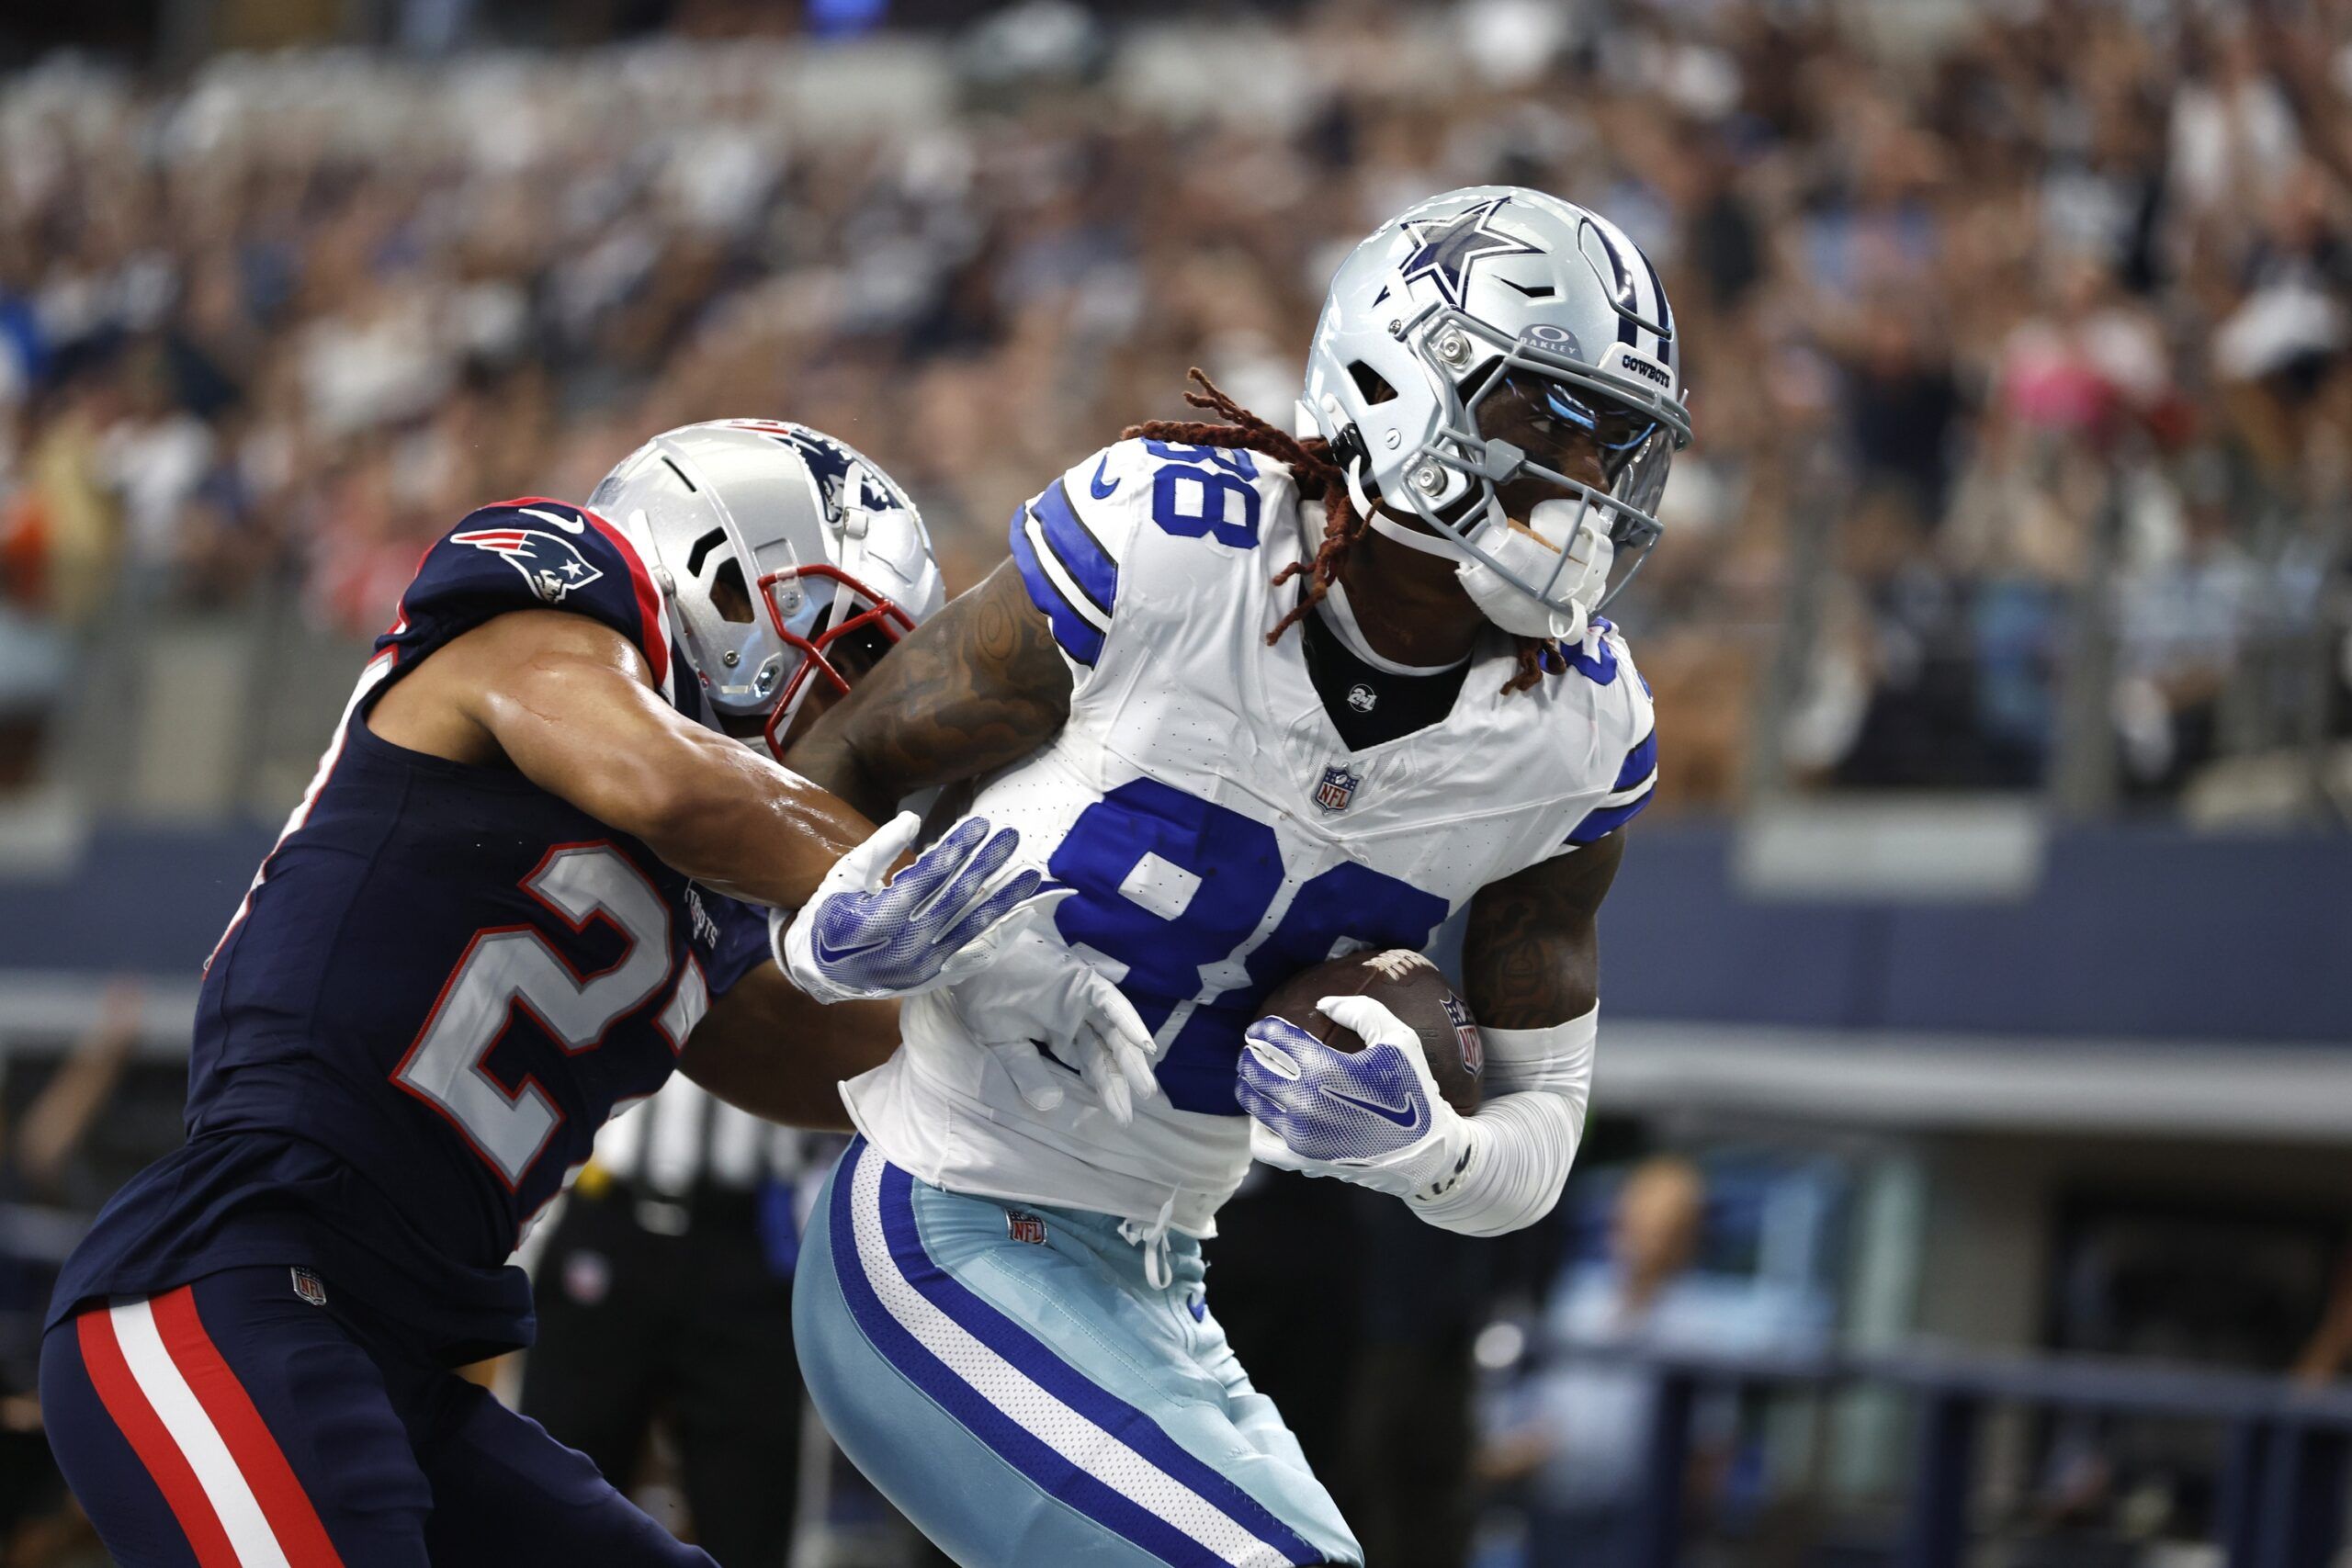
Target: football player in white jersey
[(1259, 701)]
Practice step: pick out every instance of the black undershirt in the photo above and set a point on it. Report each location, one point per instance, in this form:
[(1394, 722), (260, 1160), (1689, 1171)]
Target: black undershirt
[(1369, 704)]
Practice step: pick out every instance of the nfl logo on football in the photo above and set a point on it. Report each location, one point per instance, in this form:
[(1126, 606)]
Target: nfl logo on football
[(1466, 1033), (1339, 787)]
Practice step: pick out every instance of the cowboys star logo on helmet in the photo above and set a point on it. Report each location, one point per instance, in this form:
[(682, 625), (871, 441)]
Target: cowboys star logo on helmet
[(552, 564), (1449, 247)]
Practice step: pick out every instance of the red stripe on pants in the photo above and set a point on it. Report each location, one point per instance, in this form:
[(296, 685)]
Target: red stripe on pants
[(127, 1407), (283, 1502)]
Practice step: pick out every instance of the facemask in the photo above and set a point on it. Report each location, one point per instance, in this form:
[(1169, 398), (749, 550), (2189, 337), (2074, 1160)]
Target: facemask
[(1532, 556)]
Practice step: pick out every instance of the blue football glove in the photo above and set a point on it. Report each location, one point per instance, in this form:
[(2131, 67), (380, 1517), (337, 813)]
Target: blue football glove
[(1375, 1118), (862, 937)]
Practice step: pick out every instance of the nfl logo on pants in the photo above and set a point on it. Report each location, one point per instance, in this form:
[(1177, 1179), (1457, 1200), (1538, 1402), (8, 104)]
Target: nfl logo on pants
[(1339, 787)]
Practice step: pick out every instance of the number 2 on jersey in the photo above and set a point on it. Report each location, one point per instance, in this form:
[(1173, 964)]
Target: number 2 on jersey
[(507, 968)]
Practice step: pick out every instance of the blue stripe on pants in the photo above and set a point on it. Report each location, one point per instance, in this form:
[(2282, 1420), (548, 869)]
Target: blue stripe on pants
[(1027, 1453), (1064, 1382)]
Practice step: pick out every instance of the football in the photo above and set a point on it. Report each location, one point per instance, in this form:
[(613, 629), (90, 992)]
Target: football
[(1408, 985)]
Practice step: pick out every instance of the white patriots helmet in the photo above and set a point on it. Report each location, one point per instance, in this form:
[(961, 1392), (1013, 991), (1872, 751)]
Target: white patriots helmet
[(1446, 304), (822, 547)]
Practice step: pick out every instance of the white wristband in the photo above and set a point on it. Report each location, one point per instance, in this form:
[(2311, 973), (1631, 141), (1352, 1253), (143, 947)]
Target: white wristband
[(1524, 1138)]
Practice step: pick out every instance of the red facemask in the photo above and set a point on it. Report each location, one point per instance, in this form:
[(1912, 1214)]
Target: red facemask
[(879, 612)]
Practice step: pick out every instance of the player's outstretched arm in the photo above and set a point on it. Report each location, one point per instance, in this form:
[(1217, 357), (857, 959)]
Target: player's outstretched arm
[(1530, 973), (770, 1049), (569, 702), (980, 684)]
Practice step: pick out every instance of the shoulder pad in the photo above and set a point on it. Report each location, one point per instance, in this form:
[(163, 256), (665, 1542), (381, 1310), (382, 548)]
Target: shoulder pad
[(533, 554), (1629, 737), (1073, 541)]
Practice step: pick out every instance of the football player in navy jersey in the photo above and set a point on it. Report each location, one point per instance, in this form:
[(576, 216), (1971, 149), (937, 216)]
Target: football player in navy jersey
[(530, 861)]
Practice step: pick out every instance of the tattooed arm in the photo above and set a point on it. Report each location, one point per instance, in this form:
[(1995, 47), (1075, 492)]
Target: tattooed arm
[(1531, 958), (979, 686)]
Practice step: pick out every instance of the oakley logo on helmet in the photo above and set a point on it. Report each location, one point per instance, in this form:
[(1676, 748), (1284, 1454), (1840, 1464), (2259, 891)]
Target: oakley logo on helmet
[(1648, 370), (552, 565), (1556, 340)]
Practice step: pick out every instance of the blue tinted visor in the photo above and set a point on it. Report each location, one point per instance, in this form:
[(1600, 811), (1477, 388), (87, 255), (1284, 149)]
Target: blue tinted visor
[(1546, 410)]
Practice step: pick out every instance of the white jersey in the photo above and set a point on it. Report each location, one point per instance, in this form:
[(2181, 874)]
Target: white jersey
[(1220, 834)]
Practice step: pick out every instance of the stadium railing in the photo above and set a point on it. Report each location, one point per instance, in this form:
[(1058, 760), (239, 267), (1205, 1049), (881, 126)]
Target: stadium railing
[(2286, 1449)]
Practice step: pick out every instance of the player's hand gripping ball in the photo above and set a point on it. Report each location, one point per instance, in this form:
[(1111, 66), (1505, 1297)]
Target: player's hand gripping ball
[(1341, 1080)]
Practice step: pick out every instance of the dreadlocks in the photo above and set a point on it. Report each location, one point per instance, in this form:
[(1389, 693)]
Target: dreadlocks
[(1318, 478)]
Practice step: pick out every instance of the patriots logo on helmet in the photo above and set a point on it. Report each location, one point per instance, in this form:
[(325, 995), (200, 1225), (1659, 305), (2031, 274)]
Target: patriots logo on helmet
[(1449, 247), (551, 564)]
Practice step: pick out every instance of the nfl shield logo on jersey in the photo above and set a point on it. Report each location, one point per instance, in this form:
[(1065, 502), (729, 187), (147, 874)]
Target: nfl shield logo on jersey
[(310, 1287), (1338, 788), (1024, 1227)]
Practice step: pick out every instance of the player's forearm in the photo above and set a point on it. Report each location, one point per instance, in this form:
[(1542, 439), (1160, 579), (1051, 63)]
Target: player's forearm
[(571, 709), (739, 824), (1521, 1144)]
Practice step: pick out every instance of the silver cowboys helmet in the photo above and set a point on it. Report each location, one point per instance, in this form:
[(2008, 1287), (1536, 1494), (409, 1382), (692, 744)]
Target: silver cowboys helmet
[(779, 550), (1458, 344)]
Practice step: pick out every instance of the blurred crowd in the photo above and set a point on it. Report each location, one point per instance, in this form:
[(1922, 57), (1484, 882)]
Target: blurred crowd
[(1982, 307)]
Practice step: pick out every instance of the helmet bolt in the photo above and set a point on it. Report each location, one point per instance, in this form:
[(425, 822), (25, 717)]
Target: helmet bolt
[(730, 659), (1427, 478), (1454, 348), (1395, 439)]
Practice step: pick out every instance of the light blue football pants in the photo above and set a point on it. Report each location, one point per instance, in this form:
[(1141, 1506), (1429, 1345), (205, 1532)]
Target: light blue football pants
[(1012, 1381)]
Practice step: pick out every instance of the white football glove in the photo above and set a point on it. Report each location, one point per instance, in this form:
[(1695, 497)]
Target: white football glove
[(1044, 1011), (1375, 1118), (868, 935)]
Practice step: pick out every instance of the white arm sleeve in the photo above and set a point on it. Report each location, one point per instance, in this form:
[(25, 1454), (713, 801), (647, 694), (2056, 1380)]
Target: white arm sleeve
[(1524, 1138)]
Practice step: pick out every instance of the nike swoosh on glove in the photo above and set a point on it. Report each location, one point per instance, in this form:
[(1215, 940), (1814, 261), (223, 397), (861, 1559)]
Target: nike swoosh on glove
[(866, 935), (1044, 1011), (1374, 1117)]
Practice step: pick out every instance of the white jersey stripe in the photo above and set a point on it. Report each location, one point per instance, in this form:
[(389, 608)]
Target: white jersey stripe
[(199, 1442), (1627, 797), (1079, 600), (1065, 1430)]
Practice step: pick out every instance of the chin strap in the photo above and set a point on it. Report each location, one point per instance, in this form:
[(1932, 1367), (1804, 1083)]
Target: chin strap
[(1412, 539)]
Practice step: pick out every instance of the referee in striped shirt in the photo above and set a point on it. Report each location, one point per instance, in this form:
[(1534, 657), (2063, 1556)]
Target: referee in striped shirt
[(665, 1292)]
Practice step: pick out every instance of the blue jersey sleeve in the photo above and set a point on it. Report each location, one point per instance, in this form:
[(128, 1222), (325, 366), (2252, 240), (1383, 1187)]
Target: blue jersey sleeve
[(1070, 574), (1636, 782), (1626, 718), (537, 555)]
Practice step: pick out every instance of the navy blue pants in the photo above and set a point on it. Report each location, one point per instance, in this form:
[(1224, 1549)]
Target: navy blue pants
[(237, 1422)]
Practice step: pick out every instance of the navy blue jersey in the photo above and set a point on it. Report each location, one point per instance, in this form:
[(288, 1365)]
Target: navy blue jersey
[(441, 983)]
